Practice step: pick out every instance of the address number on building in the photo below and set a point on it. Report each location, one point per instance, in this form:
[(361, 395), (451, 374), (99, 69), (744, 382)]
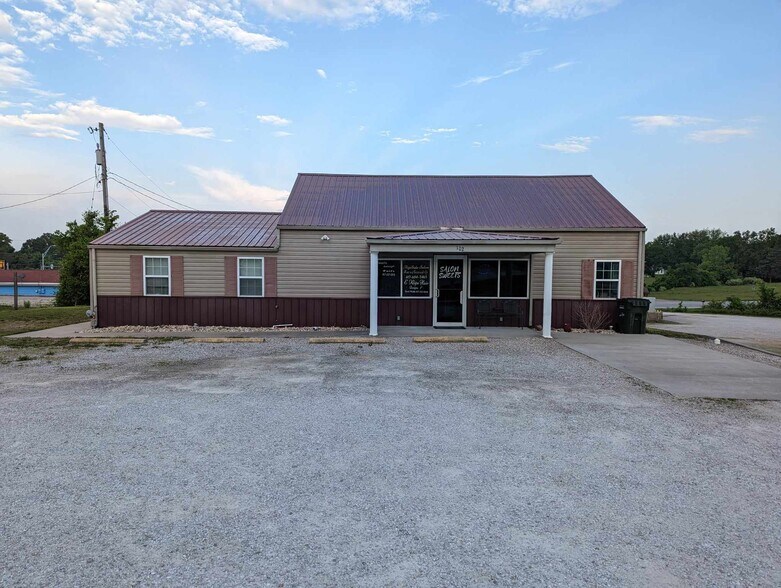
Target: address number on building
[(459, 247)]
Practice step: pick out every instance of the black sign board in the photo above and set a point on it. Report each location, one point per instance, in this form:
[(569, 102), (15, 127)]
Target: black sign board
[(389, 278), (416, 278)]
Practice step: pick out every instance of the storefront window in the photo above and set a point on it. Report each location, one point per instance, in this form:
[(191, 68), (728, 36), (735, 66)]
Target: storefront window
[(499, 278), (404, 278)]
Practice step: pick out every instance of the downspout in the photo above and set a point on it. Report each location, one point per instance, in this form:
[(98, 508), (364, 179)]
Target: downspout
[(93, 289)]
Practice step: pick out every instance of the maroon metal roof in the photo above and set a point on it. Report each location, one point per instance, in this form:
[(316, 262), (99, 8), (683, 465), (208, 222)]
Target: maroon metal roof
[(450, 235), (472, 202), (186, 228)]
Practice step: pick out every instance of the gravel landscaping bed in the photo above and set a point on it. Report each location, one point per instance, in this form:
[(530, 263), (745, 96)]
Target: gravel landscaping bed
[(212, 329), (282, 463)]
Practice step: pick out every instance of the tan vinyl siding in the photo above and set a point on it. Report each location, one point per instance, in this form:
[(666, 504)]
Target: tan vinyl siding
[(573, 249), (204, 271), (339, 267), (307, 266)]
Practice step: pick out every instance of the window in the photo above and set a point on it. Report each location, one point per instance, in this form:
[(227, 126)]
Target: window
[(404, 278), (498, 278), (157, 276), (250, 276), (607, 277)]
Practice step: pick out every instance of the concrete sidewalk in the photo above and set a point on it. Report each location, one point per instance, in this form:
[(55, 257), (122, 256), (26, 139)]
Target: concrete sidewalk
[(682, 369)]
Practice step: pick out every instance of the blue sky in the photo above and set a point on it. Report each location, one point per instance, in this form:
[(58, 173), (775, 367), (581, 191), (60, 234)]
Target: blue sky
[(674, 106)]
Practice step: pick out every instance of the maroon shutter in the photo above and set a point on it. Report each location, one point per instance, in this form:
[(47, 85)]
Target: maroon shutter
[(231, 288), (177, 275), (587, 279), (136, 275), (270, 277), (628, 282)]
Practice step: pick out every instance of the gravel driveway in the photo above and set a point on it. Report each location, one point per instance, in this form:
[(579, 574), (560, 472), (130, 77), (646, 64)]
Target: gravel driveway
[(280, 463)]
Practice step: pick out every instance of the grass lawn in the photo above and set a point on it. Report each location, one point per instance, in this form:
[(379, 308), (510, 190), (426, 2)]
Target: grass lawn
[(711, 293), (32, 319)]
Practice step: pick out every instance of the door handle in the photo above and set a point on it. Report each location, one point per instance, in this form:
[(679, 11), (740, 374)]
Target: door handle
[(461, 297), (437, 292)]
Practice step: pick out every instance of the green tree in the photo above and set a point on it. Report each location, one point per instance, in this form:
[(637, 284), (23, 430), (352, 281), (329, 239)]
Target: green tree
[(74, 245), (716, 261), (5, 244)]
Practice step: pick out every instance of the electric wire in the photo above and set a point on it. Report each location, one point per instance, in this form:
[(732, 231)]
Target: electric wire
[(164, 195), (47, 196), (151, 191), (142, 194)]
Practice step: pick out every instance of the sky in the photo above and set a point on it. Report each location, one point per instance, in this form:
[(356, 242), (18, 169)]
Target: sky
[(674, 106)]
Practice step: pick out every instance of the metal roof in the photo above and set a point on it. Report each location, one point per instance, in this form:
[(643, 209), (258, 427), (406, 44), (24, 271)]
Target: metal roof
[(186, 228), (472, 202), (451, 235)]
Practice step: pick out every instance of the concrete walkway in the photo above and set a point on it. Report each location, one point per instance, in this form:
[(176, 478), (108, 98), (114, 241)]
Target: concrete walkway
[(752, 331), (682, 369)]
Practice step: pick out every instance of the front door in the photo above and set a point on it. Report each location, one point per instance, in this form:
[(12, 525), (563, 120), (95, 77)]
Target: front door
[(449, 300)]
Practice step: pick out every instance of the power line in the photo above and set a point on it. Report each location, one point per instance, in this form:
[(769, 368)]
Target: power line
[(166, 196), (141, 193), (45, 197), (37, 193), (152, 191), (114, 198)]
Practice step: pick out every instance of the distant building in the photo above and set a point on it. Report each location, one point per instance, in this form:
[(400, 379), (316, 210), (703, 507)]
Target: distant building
[(31, 282)]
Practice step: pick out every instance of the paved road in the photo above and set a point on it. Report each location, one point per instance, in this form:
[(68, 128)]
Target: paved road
[(517, 462), (680, 368), (661, 304), (754, 331)]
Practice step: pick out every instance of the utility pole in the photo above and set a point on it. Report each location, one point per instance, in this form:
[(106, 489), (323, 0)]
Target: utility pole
[(101, 160)]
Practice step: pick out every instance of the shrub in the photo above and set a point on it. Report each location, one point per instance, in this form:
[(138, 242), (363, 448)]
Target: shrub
[(767, 297), (26, 304), (735, 303), (714, 305), (592, 316)]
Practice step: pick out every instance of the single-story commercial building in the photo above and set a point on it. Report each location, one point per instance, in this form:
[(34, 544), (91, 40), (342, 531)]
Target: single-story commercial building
[(355, 250)]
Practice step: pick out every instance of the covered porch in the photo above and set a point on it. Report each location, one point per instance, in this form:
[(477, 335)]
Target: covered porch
[(455, 279)]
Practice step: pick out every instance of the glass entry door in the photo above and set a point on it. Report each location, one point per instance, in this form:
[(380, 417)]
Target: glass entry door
[(450, 299)]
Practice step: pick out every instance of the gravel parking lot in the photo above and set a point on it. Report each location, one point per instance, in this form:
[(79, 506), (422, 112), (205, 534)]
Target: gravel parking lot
[(282, 463)]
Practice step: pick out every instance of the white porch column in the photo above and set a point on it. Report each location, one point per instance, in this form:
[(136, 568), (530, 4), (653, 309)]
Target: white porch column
[(547, 295), (373, 285)]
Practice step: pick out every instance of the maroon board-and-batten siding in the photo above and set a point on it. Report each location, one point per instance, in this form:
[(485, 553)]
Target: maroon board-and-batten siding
[(322, 312)]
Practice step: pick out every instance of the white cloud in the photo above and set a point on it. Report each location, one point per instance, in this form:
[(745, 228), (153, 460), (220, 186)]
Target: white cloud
[(121, 22), (273, 119), (347, 11), (385, 133), (441, 130), (11, 73), (554, 8), (562, 65), (522, 62), (201, 104), (8, 104), (408, 141), (6, 26), (64, 115), (477, 143), (283, 134), (719, 135), (571, 145), (227, 186), (322, 74), (650, 123)]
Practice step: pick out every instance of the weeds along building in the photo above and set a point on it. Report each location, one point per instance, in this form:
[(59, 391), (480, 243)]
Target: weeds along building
[(356, 250)]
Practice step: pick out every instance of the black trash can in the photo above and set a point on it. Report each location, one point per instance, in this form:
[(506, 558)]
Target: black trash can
[(632, 314)]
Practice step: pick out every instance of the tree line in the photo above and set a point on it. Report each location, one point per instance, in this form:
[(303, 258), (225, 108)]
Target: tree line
[(70, 254), (709, 257)]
